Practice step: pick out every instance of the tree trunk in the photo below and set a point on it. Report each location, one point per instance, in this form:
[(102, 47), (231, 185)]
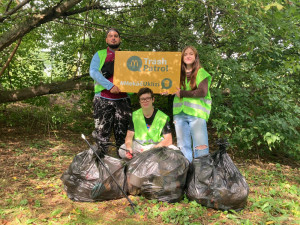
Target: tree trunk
[(44, 89)]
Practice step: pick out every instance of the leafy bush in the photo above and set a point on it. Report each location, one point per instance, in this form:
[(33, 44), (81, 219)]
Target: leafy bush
[(260, 116), (48, 113)]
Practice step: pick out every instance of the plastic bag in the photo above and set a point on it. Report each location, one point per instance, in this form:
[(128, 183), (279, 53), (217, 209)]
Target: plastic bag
[(159, 173), (87, 180), (214, 181)]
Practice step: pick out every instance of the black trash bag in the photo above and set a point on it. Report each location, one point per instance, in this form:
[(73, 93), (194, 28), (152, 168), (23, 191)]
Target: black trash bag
[(159, 173), (214, 181), (86, 180)]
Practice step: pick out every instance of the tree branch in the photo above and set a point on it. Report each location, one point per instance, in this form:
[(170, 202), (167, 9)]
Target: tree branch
[(79, 25), (96, 6), (31, 23), (44, 89), (8, 5), (12, 11), (10, 57)]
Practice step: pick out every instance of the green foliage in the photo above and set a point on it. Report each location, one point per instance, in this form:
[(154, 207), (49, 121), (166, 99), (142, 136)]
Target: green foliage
[(37, 203), (23, 202), (56, 212), (251, 48), (49, 113), (260, 113), (276, 198), (172, 213)]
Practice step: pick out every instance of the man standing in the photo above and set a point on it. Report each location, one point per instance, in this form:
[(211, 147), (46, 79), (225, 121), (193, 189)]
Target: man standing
[(112, 108), (148, 128)]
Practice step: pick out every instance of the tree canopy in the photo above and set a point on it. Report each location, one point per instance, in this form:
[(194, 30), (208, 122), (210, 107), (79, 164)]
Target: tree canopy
[(251, 48)]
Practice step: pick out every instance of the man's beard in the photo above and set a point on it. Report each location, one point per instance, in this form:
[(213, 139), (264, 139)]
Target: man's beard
[(114, 46)]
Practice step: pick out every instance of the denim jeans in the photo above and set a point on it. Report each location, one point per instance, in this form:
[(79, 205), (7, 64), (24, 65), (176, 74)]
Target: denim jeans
[(191, 130)]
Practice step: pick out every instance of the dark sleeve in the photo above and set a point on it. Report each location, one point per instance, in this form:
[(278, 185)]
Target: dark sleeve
[(166, 129), (130, 125), (201, 91)]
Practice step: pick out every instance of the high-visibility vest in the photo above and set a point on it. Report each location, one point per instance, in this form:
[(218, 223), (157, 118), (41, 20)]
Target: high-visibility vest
[(153, 135), (198, 107), (102, 56)]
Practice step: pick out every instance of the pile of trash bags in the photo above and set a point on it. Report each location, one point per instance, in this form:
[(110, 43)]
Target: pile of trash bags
[(161, 173)]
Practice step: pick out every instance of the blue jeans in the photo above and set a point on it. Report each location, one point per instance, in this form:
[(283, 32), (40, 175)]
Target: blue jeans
[(191, 130)]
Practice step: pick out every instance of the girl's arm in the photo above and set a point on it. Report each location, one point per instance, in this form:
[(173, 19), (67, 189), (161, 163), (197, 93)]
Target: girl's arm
[(201, 91)]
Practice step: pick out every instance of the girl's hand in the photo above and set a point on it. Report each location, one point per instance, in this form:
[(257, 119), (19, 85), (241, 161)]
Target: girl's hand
[(177, 93), (164, 93)]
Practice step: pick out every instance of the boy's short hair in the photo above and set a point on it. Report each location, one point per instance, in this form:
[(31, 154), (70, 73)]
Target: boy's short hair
[(112, 29), (144, 91)]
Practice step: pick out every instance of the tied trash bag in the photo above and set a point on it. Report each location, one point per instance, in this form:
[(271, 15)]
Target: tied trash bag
[(214, 181), (159, 173), (87, 180)]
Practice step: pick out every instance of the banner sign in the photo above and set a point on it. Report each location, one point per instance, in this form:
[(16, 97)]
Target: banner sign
[(159, 71)]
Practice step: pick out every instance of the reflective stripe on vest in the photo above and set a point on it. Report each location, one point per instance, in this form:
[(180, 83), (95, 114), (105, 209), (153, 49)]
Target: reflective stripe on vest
[(102, 56), (198, 107), (152, 136)]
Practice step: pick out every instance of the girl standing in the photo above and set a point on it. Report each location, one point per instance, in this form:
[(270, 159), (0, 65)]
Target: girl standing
[(192, 105)]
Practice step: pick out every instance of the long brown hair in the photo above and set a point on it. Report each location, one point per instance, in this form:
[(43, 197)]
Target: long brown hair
[(195, 67)]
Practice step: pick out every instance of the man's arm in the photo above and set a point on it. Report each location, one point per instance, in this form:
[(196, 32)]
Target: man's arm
[(166, 141), (97, 75)]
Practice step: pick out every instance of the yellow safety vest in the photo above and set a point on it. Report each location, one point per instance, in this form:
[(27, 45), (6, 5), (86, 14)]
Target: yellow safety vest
[(102, 56), (198, 107), (153, 135)]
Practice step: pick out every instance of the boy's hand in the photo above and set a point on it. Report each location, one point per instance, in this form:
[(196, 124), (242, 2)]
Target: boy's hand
[(177, 93), (128, 155)]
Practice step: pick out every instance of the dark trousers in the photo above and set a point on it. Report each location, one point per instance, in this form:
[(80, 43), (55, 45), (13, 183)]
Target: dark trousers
[(111, 115)]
